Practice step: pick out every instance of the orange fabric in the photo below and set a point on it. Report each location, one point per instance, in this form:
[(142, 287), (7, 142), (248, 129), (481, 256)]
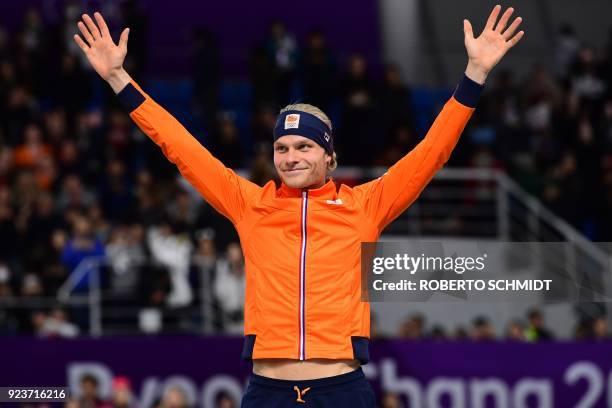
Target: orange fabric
[(316, 258), (26, 156)]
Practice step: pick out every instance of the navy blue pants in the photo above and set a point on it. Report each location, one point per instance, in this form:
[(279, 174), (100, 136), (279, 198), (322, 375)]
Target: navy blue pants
[(344, 390)]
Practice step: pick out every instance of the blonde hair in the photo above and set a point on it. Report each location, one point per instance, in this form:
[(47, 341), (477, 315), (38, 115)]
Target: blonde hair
[(313, 110)]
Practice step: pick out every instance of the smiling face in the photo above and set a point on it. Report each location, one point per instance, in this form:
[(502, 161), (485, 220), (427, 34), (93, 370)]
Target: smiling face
[(300, 162)]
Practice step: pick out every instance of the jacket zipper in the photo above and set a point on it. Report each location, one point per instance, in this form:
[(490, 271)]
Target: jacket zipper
[(302, 318)]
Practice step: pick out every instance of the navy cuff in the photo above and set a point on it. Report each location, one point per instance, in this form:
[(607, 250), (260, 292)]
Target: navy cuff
[(468, 92), (130, 97)]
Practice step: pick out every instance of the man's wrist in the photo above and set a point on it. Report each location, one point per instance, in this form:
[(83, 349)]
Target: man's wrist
[(476, 73), (118, 79)]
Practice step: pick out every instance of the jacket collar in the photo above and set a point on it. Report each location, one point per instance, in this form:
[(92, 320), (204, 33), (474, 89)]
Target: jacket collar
[(327, 191)]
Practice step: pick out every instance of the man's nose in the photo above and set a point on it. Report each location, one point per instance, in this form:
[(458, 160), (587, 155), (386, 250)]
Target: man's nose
[(292, 156)]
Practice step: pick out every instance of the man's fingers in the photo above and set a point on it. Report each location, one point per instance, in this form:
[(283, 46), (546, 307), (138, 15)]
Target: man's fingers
[(504, 20), (510, 31), (467, 28), (123, 39), (102, 24), (81, 43), (493, 17), (93, 29), (514, 40), (85, 32)]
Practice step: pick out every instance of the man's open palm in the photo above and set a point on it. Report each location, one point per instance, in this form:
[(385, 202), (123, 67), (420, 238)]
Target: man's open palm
[(495, 40), (103, 54)]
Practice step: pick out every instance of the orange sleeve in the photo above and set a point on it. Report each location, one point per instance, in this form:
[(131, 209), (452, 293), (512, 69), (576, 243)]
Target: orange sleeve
[(389, 195), (227, 192)]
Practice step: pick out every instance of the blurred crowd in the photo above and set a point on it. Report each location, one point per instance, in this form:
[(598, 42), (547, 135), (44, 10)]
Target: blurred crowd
[(124, 395), (532, 328), (552, 131), (78, 181)]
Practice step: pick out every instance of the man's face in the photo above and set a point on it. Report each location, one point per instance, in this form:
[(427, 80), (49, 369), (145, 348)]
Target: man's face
[(300, 162), (89, 388)]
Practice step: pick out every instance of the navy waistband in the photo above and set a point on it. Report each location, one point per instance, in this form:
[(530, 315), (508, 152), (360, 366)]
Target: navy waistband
[(316, 384)]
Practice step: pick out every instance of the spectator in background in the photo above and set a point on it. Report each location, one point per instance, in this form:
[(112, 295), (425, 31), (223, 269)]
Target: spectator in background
[(115, 191), (89, 393), (99, 224), (148, 206), (31, 286), (390, 400), (56, 125), (56, 324), (262, 124), (206, 77), (600, 328), (69, 97), (184, 209), (482, 329), (356, 143), (5, 281), (174, 397), (515, 331), (208, 217), (205, 261), (536, 330), (25, 191), (33, 149), (501, 111), (541, 97), (172, 249), (9, 323), (227, 145), (281, 50), (119, 141), (224, 400), (262, 169), (319, 72), (122, 393), (394, 103), (229, 289), (438, 333), (8, 231), (264, 84), (19, 108), (83, 244), (566, 48), (582, 330), (29, 47), (402, 140), (585, 79), (73, 195), (126, 253), (413, 328), (604, 128)]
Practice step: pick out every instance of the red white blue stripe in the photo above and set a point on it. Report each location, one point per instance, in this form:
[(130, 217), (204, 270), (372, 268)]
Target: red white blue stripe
[(302, 353)]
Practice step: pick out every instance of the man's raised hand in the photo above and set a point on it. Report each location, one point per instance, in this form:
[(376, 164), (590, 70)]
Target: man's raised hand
[(486, 50), (103, 54)]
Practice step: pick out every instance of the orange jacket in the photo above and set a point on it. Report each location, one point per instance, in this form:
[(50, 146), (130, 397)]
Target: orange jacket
[(302, 248)]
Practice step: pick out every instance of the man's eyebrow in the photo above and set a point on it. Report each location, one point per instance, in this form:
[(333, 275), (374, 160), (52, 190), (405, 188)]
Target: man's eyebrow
[(298, 143)]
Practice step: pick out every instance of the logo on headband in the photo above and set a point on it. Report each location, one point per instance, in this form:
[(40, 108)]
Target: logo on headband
[(326, 137), (292, 121)]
